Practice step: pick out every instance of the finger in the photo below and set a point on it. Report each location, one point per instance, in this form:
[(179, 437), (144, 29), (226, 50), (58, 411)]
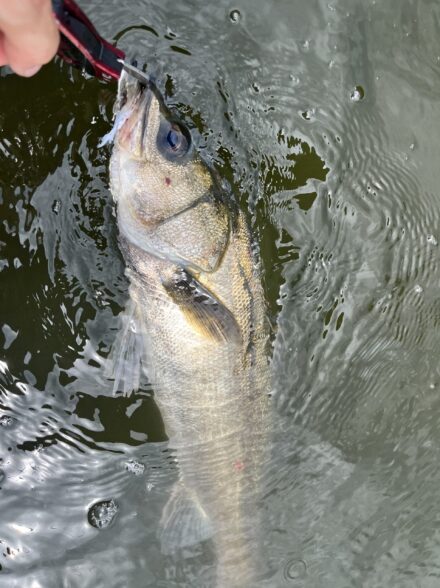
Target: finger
[(31, 36), (3, 60)]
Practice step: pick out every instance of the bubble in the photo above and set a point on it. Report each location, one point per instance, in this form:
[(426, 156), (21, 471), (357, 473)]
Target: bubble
[(100, 300), (6, 420), (295, 569), (357, 94), (235, 16), (308, 114), (170, 34), (135, 467), (56, 206), (102, 514)]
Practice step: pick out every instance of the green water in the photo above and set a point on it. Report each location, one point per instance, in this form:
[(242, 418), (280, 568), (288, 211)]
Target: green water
[(324, 117)]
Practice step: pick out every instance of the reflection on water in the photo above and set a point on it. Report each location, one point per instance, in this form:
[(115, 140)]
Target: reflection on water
[(323, 116)]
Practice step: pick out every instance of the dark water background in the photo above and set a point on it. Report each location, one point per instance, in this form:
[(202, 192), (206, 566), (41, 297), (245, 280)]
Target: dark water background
[(325, 116)]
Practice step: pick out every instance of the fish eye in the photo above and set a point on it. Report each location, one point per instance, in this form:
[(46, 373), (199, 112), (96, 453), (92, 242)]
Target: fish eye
[(173, 140)]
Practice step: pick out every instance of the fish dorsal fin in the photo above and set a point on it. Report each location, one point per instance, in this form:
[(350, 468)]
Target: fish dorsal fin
[(125, 361), (183, 522), (201, 308)]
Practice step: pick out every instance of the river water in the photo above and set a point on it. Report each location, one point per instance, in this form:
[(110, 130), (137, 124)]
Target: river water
[(324, 116)]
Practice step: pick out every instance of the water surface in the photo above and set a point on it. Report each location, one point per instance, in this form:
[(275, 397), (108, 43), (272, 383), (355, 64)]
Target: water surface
[(325, 118)]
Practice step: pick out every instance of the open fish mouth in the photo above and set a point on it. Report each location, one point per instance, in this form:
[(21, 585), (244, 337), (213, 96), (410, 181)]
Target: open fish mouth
[(132, 112), (134, 93)]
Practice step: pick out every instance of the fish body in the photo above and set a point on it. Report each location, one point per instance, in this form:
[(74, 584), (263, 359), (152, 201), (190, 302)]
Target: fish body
[(196, 323)]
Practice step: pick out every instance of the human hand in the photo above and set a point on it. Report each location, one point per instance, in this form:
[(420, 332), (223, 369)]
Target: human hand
[(29, 36)]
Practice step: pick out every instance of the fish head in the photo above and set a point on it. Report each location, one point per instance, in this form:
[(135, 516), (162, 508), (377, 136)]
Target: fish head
[(155, 171)]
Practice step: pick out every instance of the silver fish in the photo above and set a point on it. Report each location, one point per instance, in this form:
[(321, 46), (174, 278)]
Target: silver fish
[(196, 324)]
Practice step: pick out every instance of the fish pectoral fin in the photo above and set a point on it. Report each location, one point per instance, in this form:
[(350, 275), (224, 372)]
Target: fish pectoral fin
[(201, 308), (183, 522), (125, 360)]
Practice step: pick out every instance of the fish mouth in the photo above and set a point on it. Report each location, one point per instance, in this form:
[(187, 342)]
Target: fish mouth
[(133, 107), (136, 92), (132, 83)]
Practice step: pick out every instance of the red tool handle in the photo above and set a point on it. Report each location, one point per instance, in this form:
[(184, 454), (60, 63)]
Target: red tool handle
[(82, 46)]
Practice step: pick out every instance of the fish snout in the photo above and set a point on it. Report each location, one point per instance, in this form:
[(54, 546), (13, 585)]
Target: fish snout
[(135, 101)]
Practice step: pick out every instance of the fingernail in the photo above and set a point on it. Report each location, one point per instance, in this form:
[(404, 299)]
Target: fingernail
[(27, 73)]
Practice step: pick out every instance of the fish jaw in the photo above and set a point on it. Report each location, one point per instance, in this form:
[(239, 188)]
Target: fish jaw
[(139, 126)]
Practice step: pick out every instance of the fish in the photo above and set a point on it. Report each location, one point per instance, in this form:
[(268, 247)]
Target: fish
[(196, 325)]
